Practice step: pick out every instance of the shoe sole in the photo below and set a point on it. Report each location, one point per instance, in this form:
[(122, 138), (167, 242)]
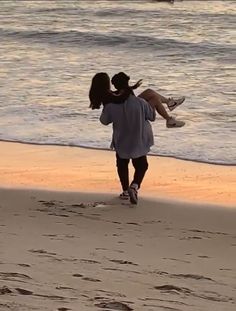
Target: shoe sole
[(124, 198), (133, 196), (175, 125), (171, 108)]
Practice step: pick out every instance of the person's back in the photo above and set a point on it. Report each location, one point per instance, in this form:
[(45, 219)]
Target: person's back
[(132, 132)]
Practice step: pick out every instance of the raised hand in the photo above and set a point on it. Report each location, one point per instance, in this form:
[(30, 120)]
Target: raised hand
[(137, 84)]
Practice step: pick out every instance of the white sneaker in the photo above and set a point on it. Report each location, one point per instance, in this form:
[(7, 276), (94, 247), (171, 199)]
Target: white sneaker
[(124, 195), (172, 122), (175, 102)]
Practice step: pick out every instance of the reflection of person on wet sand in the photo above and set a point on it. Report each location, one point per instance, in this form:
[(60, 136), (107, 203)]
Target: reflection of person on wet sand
[(100, 93)]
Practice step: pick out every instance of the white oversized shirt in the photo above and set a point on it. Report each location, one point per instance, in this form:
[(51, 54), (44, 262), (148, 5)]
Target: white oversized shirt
[(132, 132)]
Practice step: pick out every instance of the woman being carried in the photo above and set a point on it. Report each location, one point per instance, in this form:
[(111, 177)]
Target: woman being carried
[(101, 93)]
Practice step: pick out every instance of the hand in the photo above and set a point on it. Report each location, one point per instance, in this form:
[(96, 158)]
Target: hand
[(137, 84)]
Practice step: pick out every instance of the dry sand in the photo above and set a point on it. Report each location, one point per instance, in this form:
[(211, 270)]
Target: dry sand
[(87, 250)]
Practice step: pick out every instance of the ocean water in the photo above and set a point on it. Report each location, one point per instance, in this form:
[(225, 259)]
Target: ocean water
[(50, 50)]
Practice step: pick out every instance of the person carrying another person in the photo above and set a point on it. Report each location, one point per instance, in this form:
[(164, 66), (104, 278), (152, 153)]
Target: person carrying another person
[(132, 136)]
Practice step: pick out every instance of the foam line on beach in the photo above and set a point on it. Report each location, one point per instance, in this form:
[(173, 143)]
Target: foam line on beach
[(107, 149)]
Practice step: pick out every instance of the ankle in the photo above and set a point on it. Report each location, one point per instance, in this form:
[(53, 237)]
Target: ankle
[(170, 100), (134, 185)]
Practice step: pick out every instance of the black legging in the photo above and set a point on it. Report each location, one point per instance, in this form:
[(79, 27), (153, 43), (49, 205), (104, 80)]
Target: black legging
[(140, 165)]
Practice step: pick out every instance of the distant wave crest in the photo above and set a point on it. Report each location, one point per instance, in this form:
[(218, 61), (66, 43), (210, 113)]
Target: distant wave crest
[(74, 37)]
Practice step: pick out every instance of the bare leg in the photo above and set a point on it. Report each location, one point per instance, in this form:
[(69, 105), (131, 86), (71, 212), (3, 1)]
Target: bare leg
[(156, 100)]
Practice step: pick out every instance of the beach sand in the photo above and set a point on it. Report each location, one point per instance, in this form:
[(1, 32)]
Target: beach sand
[(80, 169), (81, 248)]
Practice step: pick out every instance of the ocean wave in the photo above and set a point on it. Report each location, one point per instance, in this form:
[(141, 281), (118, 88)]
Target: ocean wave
[(134, 12), (94, 39)]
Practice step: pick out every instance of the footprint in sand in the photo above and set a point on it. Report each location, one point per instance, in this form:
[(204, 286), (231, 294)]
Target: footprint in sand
[(64, 287), (89, 205), (133, 223), (50, 235), (5, 290), (114, 305), (41, 251), (191, 238), (91, 279), (149, 222), (123, 262), (78, 275), (90, 261), (211, 296), (174, 259), (192, 276), (47, 203), (58, 215), (173, 288), (121, 270), (24, 291), (13, 276)]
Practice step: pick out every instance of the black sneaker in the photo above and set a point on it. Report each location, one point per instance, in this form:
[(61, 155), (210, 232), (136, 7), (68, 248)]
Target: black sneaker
[(133, 195)]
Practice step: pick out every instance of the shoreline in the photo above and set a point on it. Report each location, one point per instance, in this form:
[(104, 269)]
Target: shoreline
[(91, 170), (107, 149)]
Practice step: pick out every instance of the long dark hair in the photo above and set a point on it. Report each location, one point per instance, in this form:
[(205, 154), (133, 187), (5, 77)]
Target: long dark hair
[(99, 89)]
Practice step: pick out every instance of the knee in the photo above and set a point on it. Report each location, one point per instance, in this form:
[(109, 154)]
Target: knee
[(148, 94)]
